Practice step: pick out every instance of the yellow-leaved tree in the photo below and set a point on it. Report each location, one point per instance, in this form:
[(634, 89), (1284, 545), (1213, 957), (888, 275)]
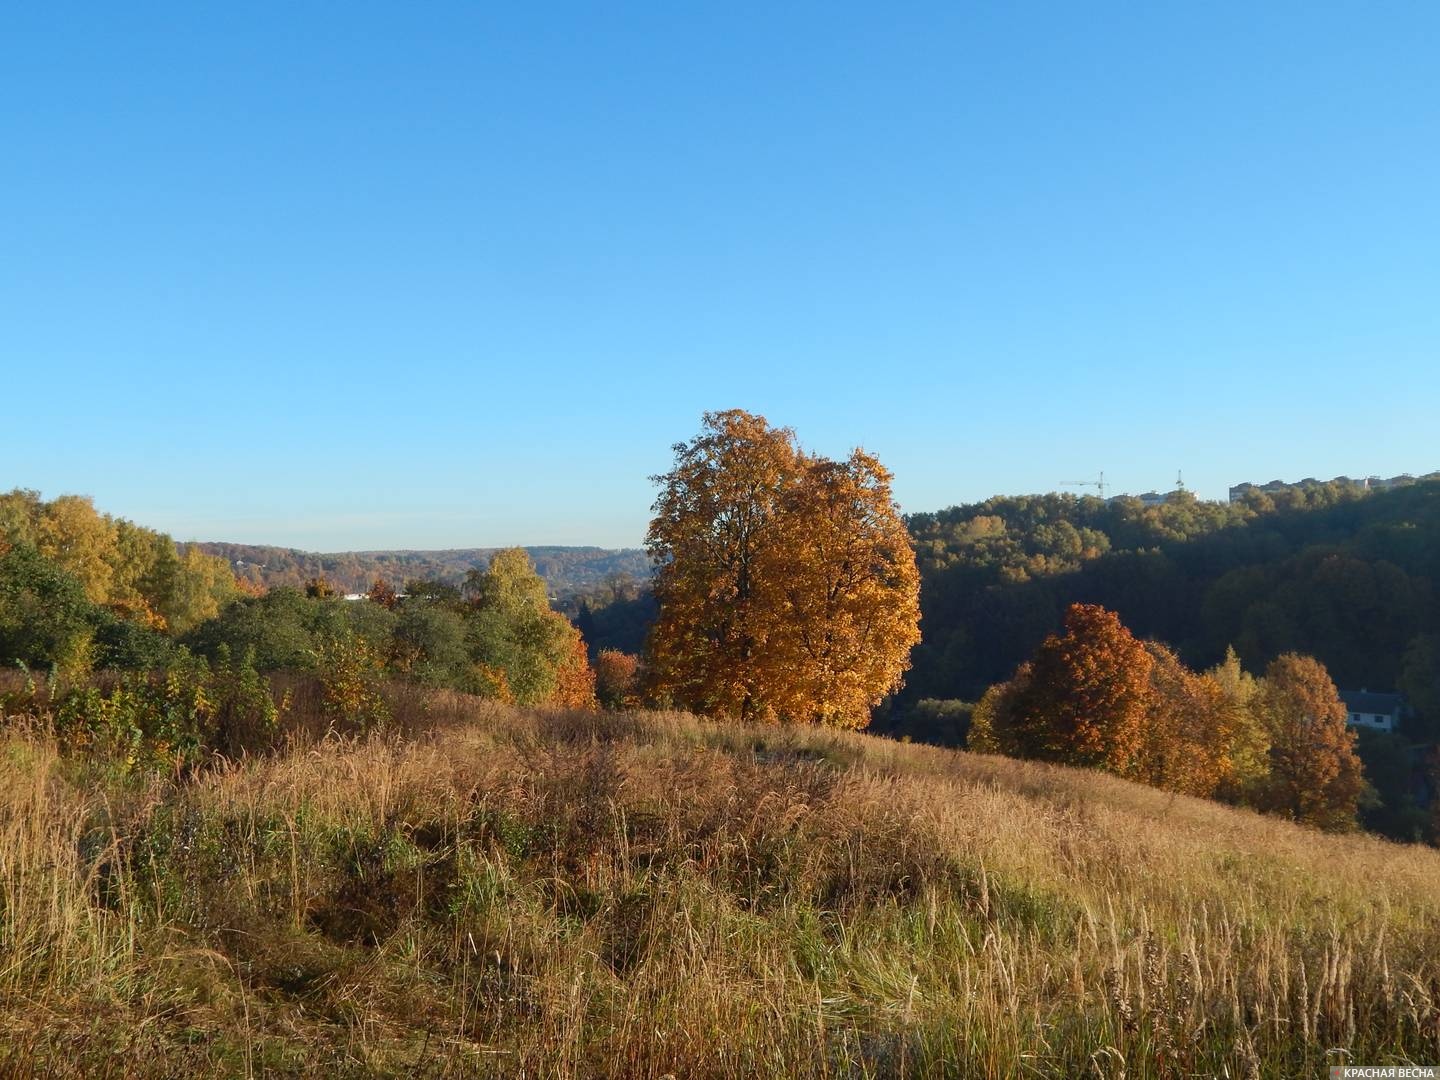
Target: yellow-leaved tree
[(1315, 774), (1190, 734), (786, 582)]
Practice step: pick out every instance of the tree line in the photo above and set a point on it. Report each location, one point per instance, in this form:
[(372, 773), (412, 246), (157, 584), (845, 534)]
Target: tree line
[(81, 591), (1096, 696), (566, 570), (495, 635), (1329, 570)]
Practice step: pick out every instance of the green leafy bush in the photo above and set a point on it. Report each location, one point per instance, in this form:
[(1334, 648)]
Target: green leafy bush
[(169, 720)]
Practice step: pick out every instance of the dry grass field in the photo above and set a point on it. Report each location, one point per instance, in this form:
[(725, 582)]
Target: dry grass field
[(644, 895)]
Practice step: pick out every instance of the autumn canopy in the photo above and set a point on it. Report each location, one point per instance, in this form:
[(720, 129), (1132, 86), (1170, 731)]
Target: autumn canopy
[(1096, 696), (786, 582)]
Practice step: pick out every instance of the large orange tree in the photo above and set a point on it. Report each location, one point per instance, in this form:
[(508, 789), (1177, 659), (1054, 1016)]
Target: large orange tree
[(786, 582)]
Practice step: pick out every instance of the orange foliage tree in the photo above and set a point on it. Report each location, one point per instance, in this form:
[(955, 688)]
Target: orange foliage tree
[(383, 593), (846, 593), (1189, 731), (1315, 774), (786, 583), (1084, 699), (246, 587), (574, 677), (616, 678)]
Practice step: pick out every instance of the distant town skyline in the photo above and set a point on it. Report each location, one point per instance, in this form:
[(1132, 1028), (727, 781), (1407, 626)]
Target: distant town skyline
[(458, 276)]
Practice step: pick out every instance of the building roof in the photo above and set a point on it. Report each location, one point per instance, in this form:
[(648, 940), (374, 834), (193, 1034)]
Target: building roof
[(1365, 701)]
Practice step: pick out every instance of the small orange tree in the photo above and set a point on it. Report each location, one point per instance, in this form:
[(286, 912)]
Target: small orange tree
[(616, 678), (383, 593), (574, 677)]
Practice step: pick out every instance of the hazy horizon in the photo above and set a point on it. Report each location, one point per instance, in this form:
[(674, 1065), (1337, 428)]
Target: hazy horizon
[(639, 543)]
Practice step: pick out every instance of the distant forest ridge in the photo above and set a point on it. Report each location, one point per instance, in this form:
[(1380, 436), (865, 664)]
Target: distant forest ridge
[(1342, 570), (566, 570)]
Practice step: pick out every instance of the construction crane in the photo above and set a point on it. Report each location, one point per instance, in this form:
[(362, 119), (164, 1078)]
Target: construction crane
[(1099, 484)]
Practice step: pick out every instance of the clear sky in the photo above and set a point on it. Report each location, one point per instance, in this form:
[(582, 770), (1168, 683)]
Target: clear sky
[(352, 275)]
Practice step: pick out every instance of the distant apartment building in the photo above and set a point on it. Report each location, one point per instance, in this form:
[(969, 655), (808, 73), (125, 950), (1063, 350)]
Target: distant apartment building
[(1369, 483), (1149, 498), (1378, 712), (1375, 483)]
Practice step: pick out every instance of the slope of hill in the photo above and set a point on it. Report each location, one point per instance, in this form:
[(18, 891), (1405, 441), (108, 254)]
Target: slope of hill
[(643, 895), (567, 570)]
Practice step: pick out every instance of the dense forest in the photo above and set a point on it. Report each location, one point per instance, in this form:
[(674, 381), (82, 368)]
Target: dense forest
[(566, 570), (1326, 569)]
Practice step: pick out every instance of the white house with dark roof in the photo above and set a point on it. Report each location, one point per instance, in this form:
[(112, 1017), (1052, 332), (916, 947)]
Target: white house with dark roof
[(1379, 712)]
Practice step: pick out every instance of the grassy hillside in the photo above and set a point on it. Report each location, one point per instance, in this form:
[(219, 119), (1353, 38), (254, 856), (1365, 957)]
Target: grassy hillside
[(501, 893)]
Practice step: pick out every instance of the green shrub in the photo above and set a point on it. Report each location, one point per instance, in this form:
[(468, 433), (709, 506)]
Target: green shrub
[(172, 719), (352, 680)]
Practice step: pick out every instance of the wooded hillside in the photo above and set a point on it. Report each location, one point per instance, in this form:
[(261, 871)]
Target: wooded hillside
[(1328, 570), (566, 570)]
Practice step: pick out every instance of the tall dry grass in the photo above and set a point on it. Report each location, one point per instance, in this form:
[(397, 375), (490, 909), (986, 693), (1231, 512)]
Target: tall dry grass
[(648, 895)]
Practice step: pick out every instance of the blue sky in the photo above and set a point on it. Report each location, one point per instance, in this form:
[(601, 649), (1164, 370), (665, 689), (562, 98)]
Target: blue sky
[(346, 276)]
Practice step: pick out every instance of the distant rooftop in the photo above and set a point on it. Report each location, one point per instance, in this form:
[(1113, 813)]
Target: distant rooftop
[(1369, 701)]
